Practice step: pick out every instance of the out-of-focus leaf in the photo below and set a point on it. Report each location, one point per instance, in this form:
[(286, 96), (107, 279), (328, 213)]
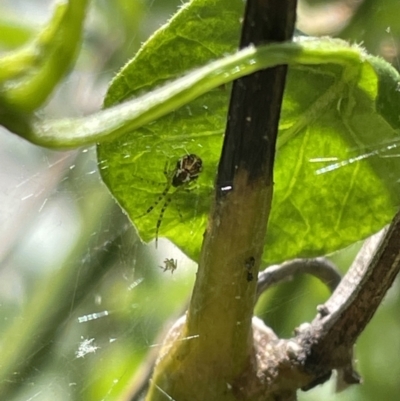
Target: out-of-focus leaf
[(13, 34), (29, 75), (376, 25)]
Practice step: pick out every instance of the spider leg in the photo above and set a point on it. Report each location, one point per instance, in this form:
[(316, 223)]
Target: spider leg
[(157, 201), (166, 172), (190, 186), (160, 217), (147, 181)]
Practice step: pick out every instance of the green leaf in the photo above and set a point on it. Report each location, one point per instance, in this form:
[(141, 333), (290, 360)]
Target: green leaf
[(29, 75), (335, 182), (200, 32)]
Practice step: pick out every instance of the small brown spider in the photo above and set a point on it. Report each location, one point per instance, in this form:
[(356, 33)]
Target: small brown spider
[(170, 264), (186, 171)]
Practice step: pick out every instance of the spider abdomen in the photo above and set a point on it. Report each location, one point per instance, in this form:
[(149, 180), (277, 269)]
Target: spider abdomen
[(187, 169)]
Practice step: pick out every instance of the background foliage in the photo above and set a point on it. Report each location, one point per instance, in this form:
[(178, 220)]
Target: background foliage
[(57, 218)]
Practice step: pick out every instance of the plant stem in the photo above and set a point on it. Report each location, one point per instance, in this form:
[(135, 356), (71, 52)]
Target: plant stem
[(215, 347)]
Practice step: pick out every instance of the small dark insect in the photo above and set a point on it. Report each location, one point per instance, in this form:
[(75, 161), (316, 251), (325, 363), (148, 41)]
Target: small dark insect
[(170, 264), (323, 310), (186, 171), (249, 264)]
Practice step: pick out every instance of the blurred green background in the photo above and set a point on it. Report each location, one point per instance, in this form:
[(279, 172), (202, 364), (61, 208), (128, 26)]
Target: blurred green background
[(82, 300)]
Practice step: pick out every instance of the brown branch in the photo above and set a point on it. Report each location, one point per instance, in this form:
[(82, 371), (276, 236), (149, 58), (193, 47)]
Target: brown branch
[(327, 343), (321, 268), (330, 337)]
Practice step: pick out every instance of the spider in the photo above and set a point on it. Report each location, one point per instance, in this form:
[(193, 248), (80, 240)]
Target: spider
[(169, 264), (186, 171)]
